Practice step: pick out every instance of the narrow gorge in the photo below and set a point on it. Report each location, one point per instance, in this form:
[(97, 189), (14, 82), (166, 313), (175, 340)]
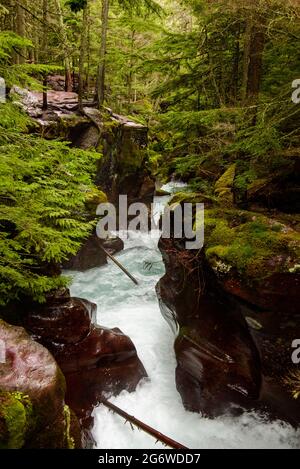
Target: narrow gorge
[(166, 123)]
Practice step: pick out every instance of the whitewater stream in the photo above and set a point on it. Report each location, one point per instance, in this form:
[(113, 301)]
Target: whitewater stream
[(134, 309)]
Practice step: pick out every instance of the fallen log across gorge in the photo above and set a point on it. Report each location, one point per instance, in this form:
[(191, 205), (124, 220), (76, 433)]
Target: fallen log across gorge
[(143, 426)]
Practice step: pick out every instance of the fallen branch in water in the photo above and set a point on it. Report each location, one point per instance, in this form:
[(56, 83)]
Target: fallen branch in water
[(143, 426), (120, 266)]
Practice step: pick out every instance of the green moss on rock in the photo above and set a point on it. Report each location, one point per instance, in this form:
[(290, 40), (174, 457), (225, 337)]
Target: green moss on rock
[(224, 185), (253, 244), (161, 193), (190, 197), (93, 198), (16, 419), (69, 440)]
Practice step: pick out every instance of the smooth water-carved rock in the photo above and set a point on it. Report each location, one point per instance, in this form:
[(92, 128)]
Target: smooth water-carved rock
[(95, 360), (91, 254), (104, 364), (32, 390), (65, 322), (100, 347), (235, 305), (217, 360)]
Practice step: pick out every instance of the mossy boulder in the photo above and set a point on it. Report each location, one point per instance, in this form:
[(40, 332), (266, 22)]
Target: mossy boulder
[(93, 198), (32, 407), (191, 198), (224, 186), (252, 244), (256, 257)]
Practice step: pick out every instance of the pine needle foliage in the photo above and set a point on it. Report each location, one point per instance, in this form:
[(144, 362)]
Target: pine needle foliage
[(43, 188)]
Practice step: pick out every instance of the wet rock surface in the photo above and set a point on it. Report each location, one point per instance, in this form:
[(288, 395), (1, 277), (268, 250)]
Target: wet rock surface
[(32, 391), (271, 293), (236, 314), (91, 254), (66, 321), (94, 359), (217, 360)]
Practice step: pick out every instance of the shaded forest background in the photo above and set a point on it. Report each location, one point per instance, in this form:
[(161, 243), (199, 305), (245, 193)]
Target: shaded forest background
[(187, 65), (212, 80)]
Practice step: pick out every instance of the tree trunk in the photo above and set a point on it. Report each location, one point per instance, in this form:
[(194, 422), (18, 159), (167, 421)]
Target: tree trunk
[(234, 87), (45, 50), (65, 47), (253, 58), (36, 49), (88, 46), (100, 85), (21, 31), (246, 61), (255, 68), (130, 73), (83, 46)]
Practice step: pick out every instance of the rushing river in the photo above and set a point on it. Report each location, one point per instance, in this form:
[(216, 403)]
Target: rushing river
[(134, 309)]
